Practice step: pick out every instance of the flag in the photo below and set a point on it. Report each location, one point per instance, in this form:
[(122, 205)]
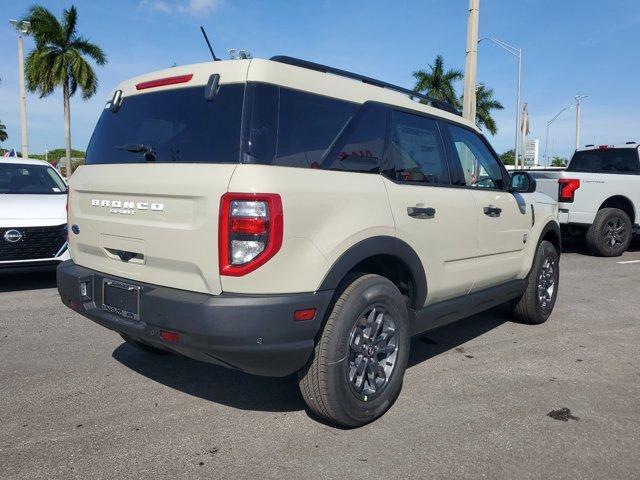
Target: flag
[(524, 126)]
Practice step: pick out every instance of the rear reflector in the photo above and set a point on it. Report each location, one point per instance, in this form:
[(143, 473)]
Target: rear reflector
[(248, 226), (160, 82), (304, 315), (169, 336)]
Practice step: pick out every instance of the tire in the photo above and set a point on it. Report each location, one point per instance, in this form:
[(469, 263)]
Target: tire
[(143, 346), (610, 233), (331, 382), (538, 300)]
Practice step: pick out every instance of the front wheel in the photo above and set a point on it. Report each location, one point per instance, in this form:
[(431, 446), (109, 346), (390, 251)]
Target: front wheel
[(538, 300), (356, 371), (610, 234)]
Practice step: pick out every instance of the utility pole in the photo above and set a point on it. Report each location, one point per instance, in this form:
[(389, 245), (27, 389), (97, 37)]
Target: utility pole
[(516, 52), (546, 141), (22, 27), (471, 62), (579, 99)]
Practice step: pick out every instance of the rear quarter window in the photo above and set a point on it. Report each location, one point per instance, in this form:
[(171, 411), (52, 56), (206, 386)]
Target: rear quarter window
[(292, 128)]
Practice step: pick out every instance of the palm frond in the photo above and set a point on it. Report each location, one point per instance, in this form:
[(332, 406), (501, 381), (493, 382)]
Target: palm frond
[(88, 48), (69, 25), (45, 27)]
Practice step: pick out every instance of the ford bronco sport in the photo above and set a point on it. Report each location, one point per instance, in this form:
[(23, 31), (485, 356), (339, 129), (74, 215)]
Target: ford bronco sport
[(280, 216)]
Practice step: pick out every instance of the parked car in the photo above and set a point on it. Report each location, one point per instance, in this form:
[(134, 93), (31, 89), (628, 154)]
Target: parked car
[(33, 217), (598, 195), (281, 216)]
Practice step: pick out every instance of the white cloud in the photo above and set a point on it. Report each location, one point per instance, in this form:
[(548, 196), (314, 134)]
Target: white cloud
[(189, 7)]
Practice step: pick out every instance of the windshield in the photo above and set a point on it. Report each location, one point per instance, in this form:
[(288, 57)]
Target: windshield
[(177, 125), (606, 160), (30, 179)]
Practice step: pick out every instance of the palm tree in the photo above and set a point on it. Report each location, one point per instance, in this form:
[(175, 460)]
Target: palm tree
[(59, 60), (3, 132), (437, 83), (485, 103)]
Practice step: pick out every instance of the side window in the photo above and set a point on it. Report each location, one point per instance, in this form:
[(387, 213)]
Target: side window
[(362, 147), (417, 153), (480, 167)]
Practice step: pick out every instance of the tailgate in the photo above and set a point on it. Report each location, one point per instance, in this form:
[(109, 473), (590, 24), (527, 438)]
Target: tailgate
[(154, 223), (547, 181)]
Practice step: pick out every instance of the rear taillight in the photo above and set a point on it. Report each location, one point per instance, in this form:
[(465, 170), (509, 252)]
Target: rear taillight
[(250, 231), (567, 188)]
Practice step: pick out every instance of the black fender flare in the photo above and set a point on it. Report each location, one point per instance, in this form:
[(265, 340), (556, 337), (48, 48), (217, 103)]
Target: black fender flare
[(380, 245), (553, 226)]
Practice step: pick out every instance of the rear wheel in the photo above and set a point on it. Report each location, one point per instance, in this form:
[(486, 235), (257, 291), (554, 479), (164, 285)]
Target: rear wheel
[(538, 300), (358, 364), (610, 233), (143, 346)]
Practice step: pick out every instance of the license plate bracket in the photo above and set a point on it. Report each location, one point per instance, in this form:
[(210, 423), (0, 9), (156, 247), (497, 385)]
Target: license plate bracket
[(120, 298)]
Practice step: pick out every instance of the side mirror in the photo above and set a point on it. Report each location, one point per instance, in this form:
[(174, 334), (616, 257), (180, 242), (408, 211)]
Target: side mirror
[(522, 182)]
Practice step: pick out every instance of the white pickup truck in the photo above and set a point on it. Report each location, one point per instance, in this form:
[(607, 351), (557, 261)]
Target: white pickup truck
[(598, 195)]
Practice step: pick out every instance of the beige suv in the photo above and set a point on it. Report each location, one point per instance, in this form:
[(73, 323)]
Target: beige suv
[(280, 216)]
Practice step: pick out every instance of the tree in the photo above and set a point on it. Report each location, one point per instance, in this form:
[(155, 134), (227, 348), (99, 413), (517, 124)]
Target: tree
[(437, 83), (3, 132), (59, 60), (485, 103), (508, 157), (558, 162)]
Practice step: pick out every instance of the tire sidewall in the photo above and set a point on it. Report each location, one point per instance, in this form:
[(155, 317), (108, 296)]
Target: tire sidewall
[(380, 291), (545, 250), (597, 237)]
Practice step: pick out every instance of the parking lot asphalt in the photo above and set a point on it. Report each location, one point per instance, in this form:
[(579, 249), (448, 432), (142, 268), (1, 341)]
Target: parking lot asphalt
[(76, 402)]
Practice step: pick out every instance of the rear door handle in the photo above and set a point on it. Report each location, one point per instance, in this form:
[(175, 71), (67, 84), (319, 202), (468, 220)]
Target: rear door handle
[(492, 211), (421, 212)]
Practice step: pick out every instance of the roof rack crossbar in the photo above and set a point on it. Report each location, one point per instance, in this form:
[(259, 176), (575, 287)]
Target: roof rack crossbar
[(364, 79)]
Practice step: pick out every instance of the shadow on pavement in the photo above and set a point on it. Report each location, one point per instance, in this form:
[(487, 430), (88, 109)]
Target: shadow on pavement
[(439, 341), (579, 245), (14, 282), (214, 383), (248, 392)]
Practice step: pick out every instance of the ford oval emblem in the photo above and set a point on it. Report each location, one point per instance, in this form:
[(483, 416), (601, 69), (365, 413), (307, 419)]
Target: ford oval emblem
[(75, 229), (12, 236)]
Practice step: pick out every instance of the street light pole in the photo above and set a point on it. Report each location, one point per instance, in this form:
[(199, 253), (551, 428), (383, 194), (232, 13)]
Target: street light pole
[(579, 99), (22, 27), (471, 62), (546, 141), (516, 52)]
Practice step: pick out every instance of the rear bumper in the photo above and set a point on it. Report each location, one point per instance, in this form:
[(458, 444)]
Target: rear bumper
[(252, 333)]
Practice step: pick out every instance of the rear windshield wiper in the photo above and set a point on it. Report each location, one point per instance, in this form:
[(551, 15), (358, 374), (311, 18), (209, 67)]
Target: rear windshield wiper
[(136, 147), (149, 153)]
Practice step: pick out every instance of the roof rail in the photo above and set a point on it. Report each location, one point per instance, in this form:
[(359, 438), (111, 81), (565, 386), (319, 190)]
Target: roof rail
[(372, 81)]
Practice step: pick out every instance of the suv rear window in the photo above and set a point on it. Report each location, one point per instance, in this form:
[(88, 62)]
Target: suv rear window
[(610, 160), (176, 125)]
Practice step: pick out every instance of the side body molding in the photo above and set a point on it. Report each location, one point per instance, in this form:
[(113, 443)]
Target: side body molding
[(381, 245)]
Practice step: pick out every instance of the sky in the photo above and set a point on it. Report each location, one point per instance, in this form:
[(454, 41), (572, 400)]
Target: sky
[(570, 47)]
